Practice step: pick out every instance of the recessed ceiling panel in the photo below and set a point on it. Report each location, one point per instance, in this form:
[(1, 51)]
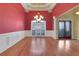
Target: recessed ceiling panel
[(38, 6)]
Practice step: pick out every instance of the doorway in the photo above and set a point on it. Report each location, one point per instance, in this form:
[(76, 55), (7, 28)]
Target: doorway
[(64, 30)]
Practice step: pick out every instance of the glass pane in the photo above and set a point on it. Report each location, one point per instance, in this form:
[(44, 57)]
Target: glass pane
[(38, 32), (68, 29), (33, 32), (38, 28), (42, 32), (61, 29)]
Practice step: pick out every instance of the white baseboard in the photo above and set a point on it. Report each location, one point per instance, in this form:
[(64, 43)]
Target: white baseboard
[(9, 39)]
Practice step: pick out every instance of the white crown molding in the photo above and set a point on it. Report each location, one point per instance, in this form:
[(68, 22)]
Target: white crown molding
[(50, 11), (44, 7)]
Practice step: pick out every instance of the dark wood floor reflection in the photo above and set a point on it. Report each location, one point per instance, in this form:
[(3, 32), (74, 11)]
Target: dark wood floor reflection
[(47, 46)]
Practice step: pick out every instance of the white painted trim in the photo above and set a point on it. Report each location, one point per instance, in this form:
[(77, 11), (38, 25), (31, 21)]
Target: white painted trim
[(9, 39), (55, 27), (30, 7)]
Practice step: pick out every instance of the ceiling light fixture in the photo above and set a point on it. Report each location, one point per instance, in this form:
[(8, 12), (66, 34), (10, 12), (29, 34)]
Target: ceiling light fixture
[(77, 13), (38, 17)]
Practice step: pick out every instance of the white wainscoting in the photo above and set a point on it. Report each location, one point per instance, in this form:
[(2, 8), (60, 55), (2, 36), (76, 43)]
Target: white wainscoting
[(49, 33), (9, 39)]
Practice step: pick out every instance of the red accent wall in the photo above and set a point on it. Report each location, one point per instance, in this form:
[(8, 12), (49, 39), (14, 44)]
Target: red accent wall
[(11, 17), (46, 14), (60, 8)]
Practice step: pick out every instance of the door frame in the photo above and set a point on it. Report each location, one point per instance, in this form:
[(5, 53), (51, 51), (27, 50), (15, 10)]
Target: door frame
[(64, 29)]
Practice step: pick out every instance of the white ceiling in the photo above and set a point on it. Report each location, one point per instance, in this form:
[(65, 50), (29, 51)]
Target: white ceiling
[(38, 6)]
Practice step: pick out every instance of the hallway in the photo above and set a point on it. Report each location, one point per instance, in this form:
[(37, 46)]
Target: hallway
[(43, 46)]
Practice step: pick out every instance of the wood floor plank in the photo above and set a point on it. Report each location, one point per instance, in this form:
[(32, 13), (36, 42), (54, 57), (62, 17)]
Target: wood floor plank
[(43, 46)]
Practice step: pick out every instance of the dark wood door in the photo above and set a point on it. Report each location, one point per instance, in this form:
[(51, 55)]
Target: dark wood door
[(64, 29)]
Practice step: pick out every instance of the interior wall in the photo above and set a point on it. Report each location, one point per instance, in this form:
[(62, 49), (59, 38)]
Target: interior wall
[(75, 22), (69, 17), (47, 17), (76, 27), (60, 8), (11, 17), (57, 11)]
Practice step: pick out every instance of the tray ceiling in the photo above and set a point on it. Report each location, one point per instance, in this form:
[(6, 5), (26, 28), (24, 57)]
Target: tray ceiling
[(38, 6)]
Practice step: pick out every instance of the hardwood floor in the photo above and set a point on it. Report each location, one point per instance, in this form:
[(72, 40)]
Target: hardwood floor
[(40, 46)]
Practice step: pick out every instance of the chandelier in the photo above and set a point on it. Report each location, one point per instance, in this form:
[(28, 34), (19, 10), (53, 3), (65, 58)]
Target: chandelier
[(38, 17)]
